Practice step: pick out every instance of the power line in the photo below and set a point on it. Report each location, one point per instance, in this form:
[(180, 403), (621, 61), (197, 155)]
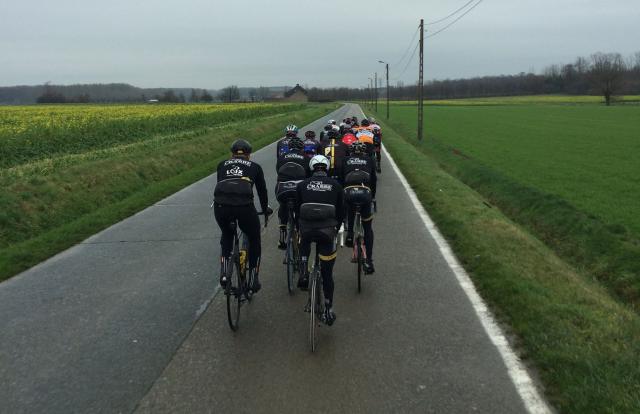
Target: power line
[(453, 22), (409, 48), (445, 18), (408, 63)]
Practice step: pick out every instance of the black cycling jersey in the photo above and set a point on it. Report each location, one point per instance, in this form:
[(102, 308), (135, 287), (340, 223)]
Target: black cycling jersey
[(335, 150), (236, 178), (292, 166), (323, 190), (359, 169)]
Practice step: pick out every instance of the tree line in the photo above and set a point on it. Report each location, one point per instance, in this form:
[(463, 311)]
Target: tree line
[(606, 74)]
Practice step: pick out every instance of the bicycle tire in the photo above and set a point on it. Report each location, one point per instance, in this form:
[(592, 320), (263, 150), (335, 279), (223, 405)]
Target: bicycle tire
[(313, 323), (359, 262), (290, 259), (234, 292)]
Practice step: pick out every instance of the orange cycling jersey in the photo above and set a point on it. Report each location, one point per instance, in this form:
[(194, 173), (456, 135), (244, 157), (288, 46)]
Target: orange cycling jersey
[(365, 135)]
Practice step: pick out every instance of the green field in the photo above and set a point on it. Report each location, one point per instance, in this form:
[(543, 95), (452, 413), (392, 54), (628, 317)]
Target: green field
[(569, 173), (588, 155), (525, 100), (73, 170)]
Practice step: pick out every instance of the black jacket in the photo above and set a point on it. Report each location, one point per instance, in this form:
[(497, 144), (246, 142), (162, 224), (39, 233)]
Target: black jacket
[(320, 189), (289, 164), (236, 178), (359, 169)]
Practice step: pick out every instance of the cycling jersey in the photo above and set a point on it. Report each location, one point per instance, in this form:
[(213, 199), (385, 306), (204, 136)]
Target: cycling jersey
[(335, 150), (359, 170), (311, 148), (236, 178)]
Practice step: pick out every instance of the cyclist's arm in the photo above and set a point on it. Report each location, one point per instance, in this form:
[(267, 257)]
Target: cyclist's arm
[(340, 206), (374, 178), (261, 187)]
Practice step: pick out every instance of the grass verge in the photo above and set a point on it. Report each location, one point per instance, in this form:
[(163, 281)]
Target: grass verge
[(584, 344), (51, 205)]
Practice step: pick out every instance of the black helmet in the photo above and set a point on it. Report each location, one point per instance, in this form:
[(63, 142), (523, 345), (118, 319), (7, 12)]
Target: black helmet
[(310, 134), (358, 147), (365, 122), (240, 147), (332, 133), (296, 143), (328, 127)]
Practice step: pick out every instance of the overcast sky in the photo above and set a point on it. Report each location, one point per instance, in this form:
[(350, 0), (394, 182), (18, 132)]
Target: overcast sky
[(215, 43)]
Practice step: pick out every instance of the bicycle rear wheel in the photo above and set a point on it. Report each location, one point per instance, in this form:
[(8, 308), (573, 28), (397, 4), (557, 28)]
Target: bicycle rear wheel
[(290, 259), (234, 292), (359, 261), (314, 295)]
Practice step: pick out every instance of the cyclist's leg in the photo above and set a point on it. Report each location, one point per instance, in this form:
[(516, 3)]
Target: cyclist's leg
[(224, 216), (367, 226), (283, 217), (249, 223), (327, 252), (351, 212), (305, 251)]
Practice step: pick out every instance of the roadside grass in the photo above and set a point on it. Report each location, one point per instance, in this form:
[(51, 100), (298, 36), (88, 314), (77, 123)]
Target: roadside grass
[(584, 345), (568, 174), (47, 206)]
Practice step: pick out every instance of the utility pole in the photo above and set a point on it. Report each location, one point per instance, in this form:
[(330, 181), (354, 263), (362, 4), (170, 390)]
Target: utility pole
[(387, 67), (376, 90), (370, 92), (420, 84)]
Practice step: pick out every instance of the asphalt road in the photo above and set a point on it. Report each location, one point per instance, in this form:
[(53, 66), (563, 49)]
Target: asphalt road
[(130, 320)]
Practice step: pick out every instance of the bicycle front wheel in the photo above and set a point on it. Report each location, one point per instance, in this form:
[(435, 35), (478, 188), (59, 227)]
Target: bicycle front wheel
[(234, 292)]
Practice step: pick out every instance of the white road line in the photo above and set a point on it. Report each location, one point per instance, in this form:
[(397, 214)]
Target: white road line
[(519, 375)]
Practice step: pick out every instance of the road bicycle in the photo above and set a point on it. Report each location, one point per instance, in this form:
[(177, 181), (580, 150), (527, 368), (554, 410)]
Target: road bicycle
[(292, 253), (238, 288)]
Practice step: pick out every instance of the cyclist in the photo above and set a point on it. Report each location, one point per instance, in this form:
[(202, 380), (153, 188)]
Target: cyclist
[(359, 173), (335, 150), (282, 147), (354, 121), (323, 133), (311, 146), (292, 168), (365, 134), (233, 200), (319, 211), (377, 142)]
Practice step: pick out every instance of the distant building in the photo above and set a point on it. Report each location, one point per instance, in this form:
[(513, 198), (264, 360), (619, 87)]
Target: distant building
[(296, 94)]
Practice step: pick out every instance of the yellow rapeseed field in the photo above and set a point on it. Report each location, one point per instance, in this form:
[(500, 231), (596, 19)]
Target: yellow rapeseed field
[(37, 132)]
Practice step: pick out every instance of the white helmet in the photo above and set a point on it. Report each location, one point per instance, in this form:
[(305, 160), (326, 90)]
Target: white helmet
[(332, 121), (319, 159), (336, 128)]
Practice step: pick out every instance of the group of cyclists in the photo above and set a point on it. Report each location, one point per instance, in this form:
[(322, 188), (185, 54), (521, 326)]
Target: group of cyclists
[(327, 178)]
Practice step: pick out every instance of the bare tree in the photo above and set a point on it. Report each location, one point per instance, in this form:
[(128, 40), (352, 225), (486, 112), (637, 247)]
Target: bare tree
[(229, 94), (607, 70)]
